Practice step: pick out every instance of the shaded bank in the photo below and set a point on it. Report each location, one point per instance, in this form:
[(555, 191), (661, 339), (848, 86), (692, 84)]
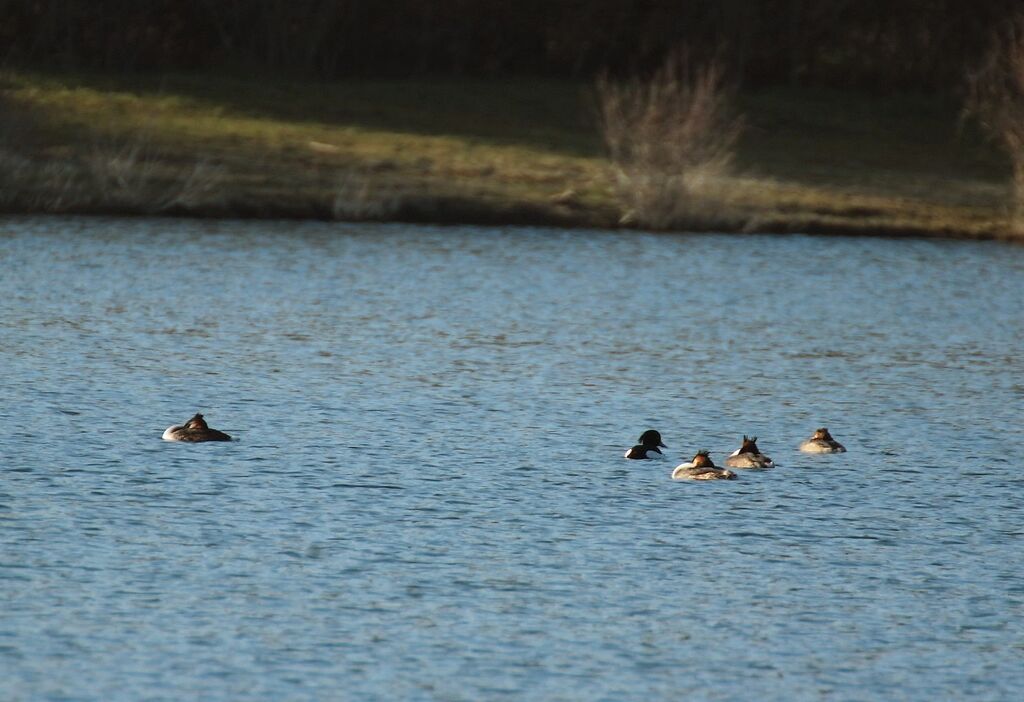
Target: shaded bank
[(521, 152)]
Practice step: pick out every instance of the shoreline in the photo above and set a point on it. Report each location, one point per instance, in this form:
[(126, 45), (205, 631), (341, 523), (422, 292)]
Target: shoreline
[(471, 214)]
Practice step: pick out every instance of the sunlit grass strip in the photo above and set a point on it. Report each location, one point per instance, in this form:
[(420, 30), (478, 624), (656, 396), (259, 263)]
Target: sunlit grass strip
[(504, 155)]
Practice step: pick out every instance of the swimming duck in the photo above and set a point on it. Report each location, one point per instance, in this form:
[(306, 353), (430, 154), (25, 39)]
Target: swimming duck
[(701, 468), (650, 440), (195, 429), (749, 456), (822, 442)]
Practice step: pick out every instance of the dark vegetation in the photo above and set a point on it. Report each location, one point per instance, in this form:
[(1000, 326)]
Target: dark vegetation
[(878, 45)]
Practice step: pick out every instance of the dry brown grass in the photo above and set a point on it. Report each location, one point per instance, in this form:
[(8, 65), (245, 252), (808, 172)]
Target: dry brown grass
[(670, 138), (359, 195), (26, 180), (132, 172), (996, 99), (14, 167), (121, 172)]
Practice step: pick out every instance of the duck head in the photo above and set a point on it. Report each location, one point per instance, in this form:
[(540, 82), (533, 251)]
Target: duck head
[(703, 460), (749, 445), (651, 439), (197, 422)]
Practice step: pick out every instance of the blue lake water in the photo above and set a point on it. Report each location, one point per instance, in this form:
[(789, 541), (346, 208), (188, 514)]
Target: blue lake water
[(427, 497)]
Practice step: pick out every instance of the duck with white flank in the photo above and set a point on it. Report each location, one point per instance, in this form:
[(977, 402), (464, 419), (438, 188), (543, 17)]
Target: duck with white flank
[(650, 441), (749, 456), (701, 468), (195, 429), (822, 442)]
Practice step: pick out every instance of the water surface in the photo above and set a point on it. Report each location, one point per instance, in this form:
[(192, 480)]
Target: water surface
[(427, 498)]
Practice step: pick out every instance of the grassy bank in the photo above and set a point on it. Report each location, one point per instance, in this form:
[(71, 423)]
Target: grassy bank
[(447, 151)]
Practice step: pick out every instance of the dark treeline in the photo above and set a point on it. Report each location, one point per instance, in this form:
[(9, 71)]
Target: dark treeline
[(876, 44)]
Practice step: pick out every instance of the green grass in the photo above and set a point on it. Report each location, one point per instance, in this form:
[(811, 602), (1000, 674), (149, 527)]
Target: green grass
[(474, 151)]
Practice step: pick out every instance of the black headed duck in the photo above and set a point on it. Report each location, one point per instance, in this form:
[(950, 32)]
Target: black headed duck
[(649, 447)]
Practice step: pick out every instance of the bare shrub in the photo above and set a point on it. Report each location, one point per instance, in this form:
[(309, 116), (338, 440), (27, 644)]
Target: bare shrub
[(13, 173), (131, 173), (996, 99), (200, 184), (359, 196), (27, 181), (670, 138), (124, 171), (15, 169)]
